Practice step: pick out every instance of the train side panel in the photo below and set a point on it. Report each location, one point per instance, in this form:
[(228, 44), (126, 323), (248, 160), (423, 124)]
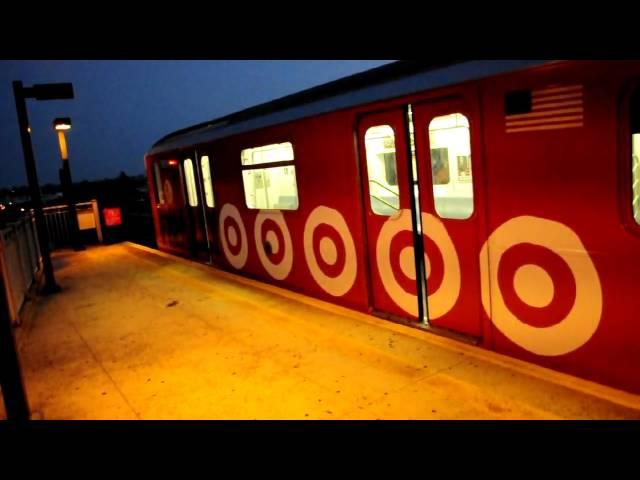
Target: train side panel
[(329, 206), (562, 269)]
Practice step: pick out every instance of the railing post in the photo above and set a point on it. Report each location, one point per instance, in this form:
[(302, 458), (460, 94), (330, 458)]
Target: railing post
[(6, 275), (96, 215), (13, 392)]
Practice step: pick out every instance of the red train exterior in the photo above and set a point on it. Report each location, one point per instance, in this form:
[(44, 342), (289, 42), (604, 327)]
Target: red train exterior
[(537, 255)]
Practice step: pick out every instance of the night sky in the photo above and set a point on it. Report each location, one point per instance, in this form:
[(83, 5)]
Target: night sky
[(122, 107)]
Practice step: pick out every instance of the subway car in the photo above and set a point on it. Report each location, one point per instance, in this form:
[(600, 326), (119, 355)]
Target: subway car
[(494, 201)]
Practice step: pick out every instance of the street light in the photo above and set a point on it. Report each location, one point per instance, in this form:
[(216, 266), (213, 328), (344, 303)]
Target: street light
[(47, 91), (15, 397), (62, 125)]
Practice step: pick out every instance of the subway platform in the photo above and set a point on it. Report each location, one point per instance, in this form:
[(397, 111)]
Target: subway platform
[(139, 334)]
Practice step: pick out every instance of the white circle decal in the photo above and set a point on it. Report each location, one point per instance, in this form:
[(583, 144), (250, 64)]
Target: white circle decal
[(578, 326), (533, 285), (328, 251), (279, 270), (342, 283), (238, 259), (443, 299)]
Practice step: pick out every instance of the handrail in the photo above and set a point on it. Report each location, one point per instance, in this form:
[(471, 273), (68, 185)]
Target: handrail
[(386, 188), (54, 208), (386, 203)]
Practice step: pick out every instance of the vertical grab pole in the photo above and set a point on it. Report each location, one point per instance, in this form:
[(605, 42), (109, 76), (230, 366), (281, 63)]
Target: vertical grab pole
[(418, 245)]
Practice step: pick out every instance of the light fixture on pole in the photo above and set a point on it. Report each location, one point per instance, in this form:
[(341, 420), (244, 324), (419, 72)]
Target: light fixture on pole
[(61, 125)]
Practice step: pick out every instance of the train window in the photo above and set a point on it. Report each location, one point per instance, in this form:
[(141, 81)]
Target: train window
[(635, 154), (272, 186), (206, 180), (381, 167), (192, 196), (451, 166), (159, 190)]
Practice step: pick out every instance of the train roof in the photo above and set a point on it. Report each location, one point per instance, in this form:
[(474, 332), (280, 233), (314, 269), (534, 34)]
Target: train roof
[(388, 81)]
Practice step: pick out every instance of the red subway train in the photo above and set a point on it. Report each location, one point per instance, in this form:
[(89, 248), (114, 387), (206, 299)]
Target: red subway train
[(497, 201)]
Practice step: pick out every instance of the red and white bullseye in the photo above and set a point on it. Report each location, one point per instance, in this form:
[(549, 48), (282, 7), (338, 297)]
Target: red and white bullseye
[(230, 225), (558, 279), (444, 297), (340, 256), (278, 269)]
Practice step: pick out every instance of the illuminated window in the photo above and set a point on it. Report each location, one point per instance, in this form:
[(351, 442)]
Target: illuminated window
[(635, 155), (274, 185), (381, 168), (451, 166), (159, 191), (192, 193), (206, 180)]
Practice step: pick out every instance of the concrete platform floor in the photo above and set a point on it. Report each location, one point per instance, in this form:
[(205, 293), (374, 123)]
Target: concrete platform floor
[(142, 335)]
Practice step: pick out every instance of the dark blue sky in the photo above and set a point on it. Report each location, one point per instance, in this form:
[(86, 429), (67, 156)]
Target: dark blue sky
[(122, 107)]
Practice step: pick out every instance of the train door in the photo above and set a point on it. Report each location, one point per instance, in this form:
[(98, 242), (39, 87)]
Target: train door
[(205, 172), (170, 201), (449, 163), (382, 145), (195, 205)]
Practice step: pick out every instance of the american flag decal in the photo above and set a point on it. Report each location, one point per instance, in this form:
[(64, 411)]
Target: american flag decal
[(552, 108)]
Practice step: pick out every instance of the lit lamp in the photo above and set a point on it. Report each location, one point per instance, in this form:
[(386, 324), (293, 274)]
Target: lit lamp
[(61, 125)]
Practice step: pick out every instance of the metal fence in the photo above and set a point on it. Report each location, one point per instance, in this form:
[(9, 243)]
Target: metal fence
[(20, 261), (59, 224)]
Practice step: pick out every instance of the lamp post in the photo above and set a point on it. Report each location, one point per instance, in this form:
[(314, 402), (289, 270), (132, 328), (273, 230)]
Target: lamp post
[(47, 91), (15, 398), (61, 125)]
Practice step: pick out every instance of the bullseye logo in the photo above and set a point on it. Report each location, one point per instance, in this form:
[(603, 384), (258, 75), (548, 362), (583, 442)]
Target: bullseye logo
[(330, 251), (549, 298), (273, 244), (233, 236), (441, 264)]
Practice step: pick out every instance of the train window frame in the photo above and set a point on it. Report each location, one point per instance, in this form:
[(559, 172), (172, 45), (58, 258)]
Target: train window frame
[(625, 160), (264, 166), (453, 161), (190, 181), (385, 162)]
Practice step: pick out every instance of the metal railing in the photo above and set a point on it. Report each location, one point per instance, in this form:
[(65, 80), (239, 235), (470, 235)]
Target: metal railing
[(20, 261), (375, 182), (58, 222)]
